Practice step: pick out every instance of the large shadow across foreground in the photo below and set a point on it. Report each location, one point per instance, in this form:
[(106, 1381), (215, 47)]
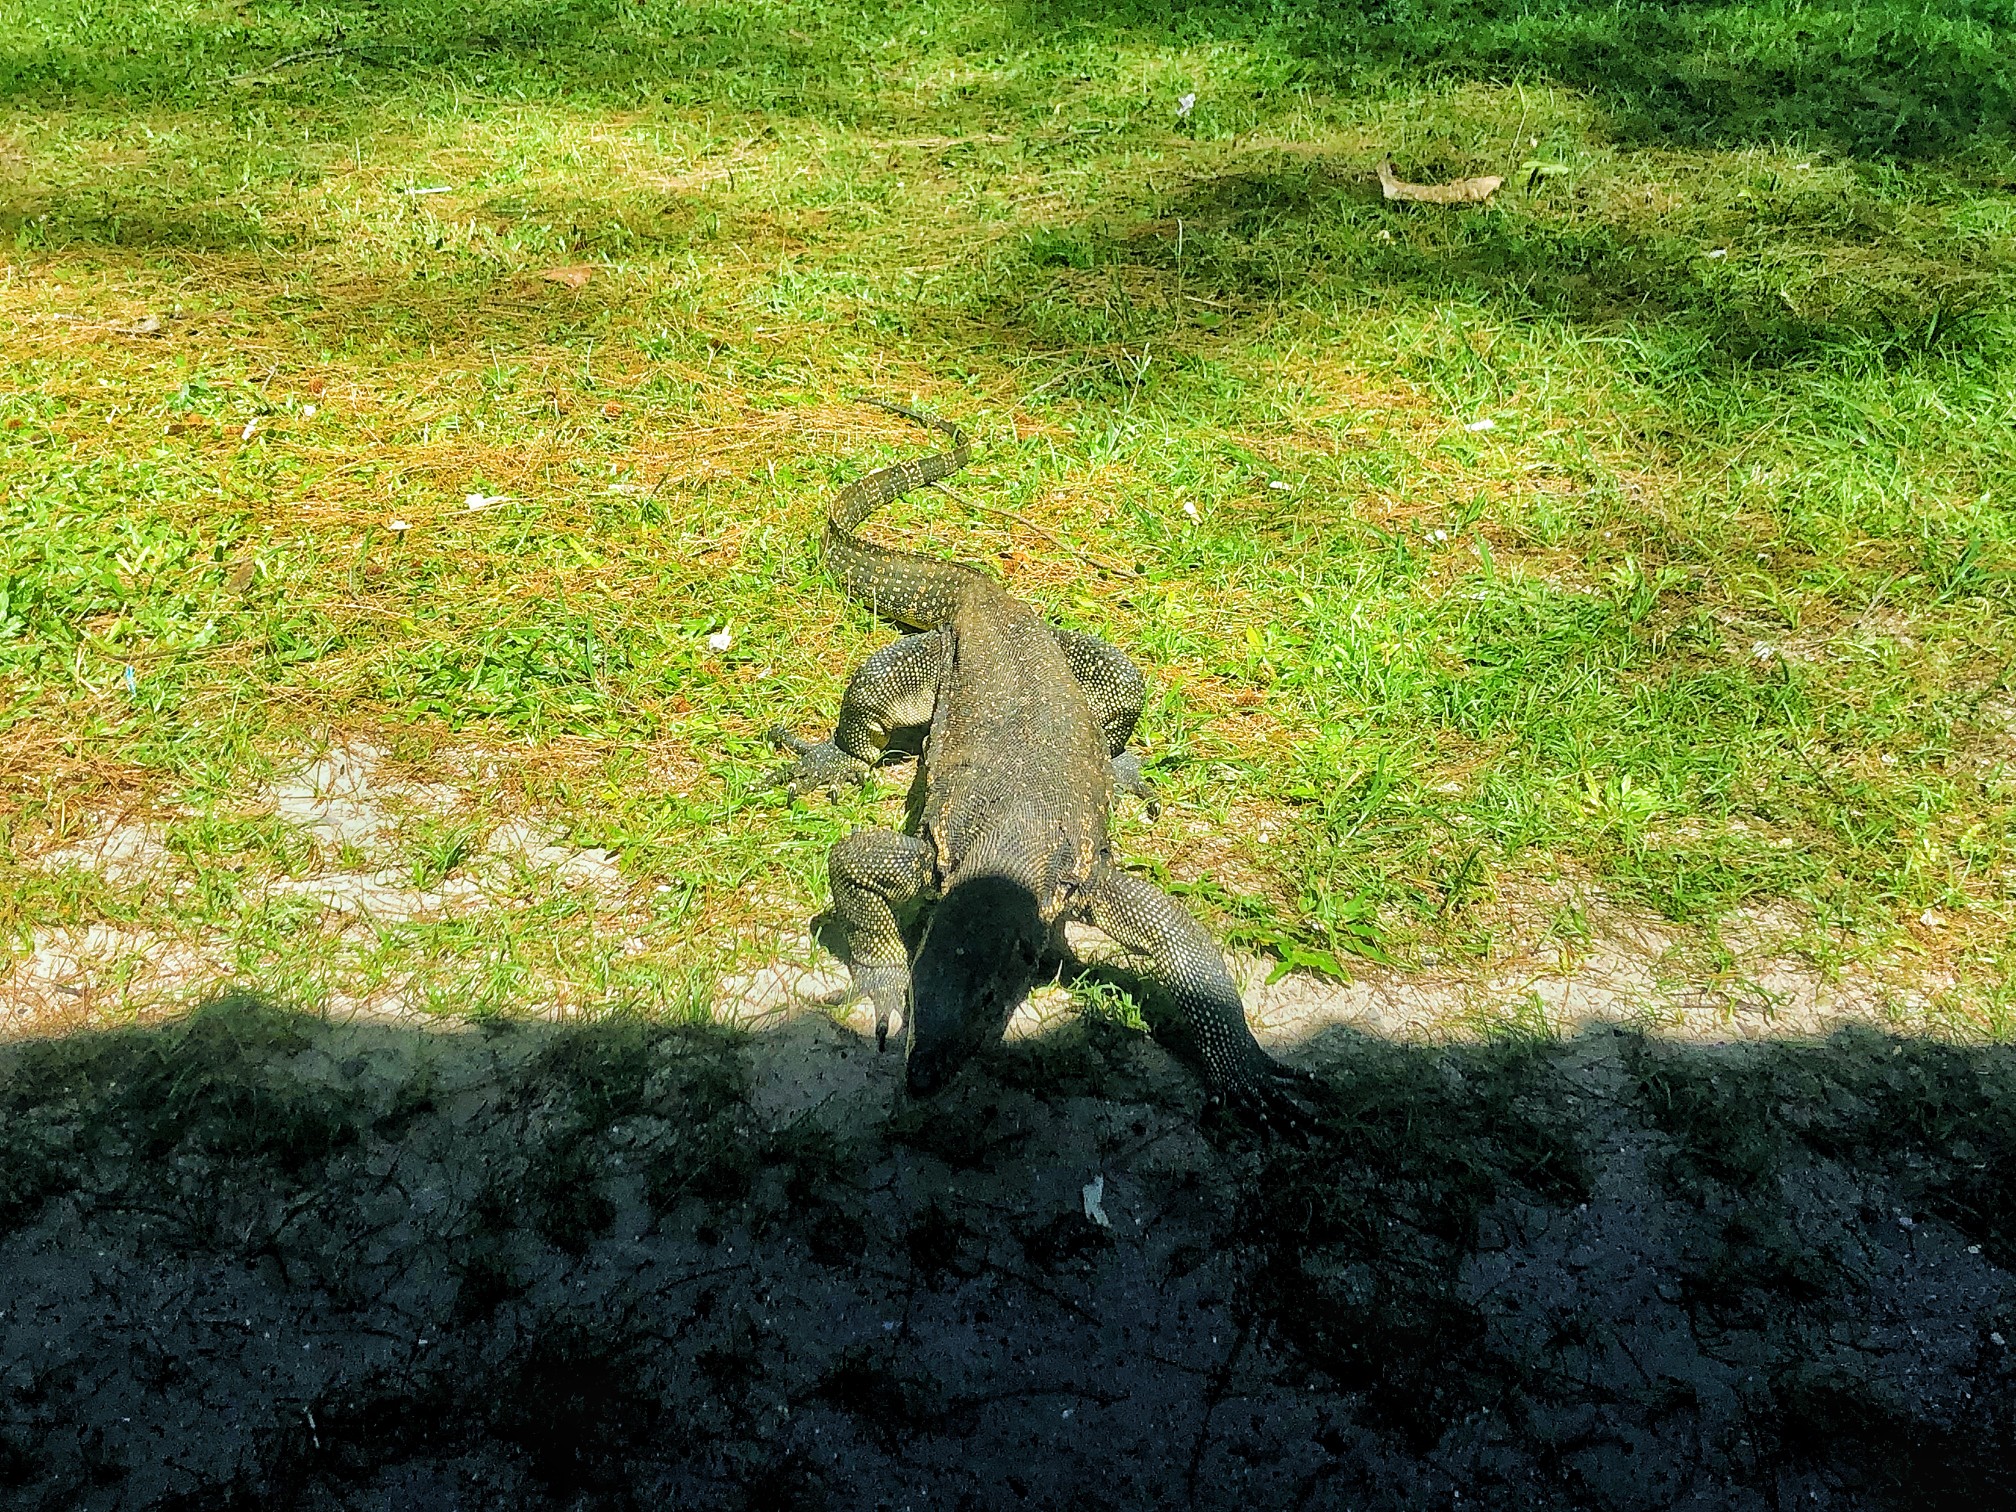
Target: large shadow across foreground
[(256, 1260)]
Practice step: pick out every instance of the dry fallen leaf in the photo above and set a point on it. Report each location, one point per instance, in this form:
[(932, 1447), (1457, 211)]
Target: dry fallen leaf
[(573, 277), (1470, 191)]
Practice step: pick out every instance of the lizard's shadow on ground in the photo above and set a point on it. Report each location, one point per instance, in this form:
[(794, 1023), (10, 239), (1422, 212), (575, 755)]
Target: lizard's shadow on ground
[(254, 1258)]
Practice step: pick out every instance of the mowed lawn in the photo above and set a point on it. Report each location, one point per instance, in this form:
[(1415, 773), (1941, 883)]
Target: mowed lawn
[(465, 382)]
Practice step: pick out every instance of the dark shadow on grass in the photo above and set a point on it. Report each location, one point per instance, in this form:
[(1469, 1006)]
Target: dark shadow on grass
[(356, 51), (1881, 79), (1877, 80), (135, 214), (1285, 230), (258, 1259)]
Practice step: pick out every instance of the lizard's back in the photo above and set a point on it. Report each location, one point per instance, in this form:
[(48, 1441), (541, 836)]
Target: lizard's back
[(1014, 745), (1014, 736)]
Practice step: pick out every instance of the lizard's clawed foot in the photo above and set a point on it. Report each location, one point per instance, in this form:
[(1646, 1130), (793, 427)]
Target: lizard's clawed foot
[(820, 764), (1278, 1100), (888, 988), (1129, 778)]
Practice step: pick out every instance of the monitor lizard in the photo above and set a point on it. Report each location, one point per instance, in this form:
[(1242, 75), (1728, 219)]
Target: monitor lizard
[(1027, 726)]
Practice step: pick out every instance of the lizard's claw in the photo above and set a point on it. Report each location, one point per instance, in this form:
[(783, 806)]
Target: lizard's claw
[(820, 764), (1129, 778), (888, 988), (1277, 1100)]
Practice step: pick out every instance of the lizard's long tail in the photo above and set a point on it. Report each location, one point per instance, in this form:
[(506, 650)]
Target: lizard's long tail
[(914, 590)]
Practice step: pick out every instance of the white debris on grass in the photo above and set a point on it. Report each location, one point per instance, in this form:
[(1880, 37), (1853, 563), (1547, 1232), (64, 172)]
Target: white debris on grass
[(539, 849), (352, 809), (799, 977), (343, 798), (489, 877), (387, 897), (1620, 980)]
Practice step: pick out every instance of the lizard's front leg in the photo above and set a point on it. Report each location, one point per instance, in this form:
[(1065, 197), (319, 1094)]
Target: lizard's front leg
[(895, 689), (875, 874), (1182, 961)]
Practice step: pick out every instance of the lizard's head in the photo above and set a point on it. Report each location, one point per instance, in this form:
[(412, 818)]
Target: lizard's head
[(979, 959)]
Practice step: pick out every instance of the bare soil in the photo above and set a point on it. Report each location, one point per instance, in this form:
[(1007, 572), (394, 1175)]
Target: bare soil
[(256, 1259)]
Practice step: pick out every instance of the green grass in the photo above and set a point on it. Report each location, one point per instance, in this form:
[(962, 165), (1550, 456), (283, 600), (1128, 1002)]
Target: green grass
[(1713, 621)]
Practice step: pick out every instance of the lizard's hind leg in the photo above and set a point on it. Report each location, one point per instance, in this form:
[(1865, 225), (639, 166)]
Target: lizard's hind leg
[(894, 690), (1181, 960), (1111, 683), (1116, 690), (876, 874)]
